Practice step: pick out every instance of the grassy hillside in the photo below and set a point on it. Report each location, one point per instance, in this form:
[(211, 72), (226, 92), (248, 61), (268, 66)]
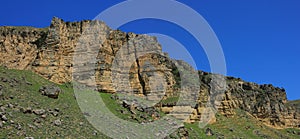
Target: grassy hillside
[(55, 118), (243, 126)]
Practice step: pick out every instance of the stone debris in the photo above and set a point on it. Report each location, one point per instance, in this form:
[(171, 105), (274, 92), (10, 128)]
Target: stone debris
[(51, 91), (57, 122), (39, 111)]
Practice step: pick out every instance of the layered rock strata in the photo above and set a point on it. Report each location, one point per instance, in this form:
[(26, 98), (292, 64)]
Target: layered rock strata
[(119, 62)]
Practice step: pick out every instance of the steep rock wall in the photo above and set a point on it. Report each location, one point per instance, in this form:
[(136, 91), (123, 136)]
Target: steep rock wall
[(50, 53)]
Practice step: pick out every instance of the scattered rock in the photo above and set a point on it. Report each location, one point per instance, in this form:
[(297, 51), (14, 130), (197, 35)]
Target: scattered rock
[(256, 132), (1, 125), (81, 123), (39, 111), (54, 113), (26, 110), (12, 122), (4, 80), (28, 83), (10, 105), (247, 127), (37, 120), (123, 112), (31, 126), (183, 132), (29, 138), (15, 80), (18, 127), (12, 84), (95, 133), (57, 122), (21, 133), (56, 109), (11, 97), (220, 136), (209, 132), (4, 118), (35, 103), (51, 91), (2, 108), (43, 116)]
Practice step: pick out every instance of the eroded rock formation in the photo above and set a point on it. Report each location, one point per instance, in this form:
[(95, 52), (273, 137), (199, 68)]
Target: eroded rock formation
[(50, 53)]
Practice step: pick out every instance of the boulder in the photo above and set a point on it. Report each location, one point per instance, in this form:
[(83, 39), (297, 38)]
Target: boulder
[(209, 132), (51, 91), (39, 111), (57, 122), (4, 118)]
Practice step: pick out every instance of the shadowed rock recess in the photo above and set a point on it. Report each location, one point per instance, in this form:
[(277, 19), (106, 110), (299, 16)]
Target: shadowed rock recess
[(49, 52)]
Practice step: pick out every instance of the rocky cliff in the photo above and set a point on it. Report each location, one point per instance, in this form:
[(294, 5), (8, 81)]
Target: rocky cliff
[(264, 102), (50, 53)]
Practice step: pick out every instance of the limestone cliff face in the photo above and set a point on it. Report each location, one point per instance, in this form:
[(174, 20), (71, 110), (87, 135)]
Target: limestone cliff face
[(264, 102), (47, 51), (50, 53), (18, 47)]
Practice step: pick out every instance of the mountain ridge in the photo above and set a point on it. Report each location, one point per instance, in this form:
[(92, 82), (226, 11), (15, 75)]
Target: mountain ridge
[(49, 52)]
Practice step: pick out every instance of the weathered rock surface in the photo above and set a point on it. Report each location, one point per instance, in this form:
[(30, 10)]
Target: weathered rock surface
[(265, 102), (145, 70), (50, 91)]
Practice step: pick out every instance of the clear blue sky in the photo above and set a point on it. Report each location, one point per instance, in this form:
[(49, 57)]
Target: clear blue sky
[(260, 38)]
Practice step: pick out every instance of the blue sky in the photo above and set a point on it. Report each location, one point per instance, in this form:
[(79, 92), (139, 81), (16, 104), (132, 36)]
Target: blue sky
[(260, 39)]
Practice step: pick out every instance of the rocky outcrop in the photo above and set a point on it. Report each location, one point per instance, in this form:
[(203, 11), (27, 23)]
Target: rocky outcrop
[(264, 102), (137, 64), (49, 52), (18, 48)]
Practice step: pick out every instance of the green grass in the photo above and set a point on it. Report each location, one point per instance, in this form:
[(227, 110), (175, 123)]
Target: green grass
[(171, 101), (197, 133), (240, 126), (115, 106), (25, 95)]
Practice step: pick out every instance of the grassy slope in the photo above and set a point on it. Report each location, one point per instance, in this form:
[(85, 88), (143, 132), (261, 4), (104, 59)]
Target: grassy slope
[(115, 107), (241, 126), (25, 95)]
